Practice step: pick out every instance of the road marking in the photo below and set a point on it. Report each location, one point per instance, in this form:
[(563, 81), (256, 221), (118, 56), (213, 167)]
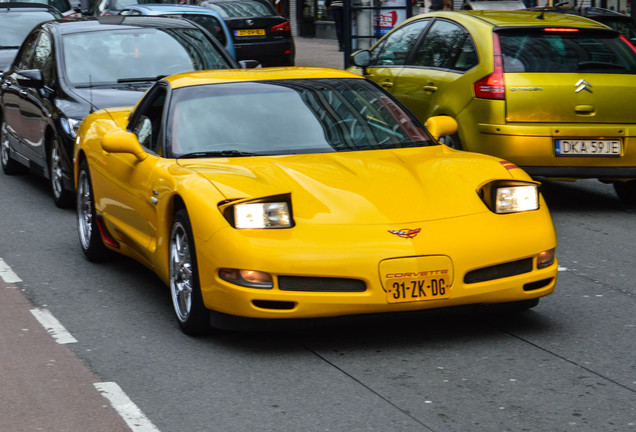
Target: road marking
[(53, 326), (7, 274), (132, 415)]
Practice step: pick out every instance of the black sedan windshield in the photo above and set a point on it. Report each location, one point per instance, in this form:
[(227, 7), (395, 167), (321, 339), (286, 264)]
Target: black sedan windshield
[(106, 57), (288, 117)]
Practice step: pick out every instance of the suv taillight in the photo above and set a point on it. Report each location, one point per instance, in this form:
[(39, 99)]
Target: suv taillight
[(284, 27), (493, 86)]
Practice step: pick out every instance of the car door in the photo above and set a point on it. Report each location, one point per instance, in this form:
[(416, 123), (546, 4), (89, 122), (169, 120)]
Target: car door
[(135, 186), (390, 55), (435, 80), (27, 108)]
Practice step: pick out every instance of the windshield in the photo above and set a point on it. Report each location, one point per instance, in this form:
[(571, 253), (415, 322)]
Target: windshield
[(566, 50), (106, 57), (288, 117), (242, 8), (16, 26)]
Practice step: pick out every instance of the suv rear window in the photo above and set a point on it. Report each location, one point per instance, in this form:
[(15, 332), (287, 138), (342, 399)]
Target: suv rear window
[(565, 50)]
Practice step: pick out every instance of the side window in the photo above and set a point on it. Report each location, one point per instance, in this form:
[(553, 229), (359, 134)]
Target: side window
[(396, 47), (147, 120), (447, 46), (23, 59), (43, 58)]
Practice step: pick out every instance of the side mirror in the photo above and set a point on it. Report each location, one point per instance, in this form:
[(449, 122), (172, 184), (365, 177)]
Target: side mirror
[(249, 64), (30, 78), (440, 126), (123, 142), (361, 58)]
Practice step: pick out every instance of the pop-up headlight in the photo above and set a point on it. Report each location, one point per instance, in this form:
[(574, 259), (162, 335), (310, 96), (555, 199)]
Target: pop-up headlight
[(511, 196)]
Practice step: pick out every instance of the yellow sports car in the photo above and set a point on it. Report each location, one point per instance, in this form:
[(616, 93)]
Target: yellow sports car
[(303, 193), (553, 93)]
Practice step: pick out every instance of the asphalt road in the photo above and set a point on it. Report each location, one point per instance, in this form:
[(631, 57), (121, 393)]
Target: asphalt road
[(567, 365)]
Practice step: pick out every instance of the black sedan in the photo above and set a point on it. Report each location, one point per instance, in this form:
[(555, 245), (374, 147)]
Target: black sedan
[(66, 69), (259, 32), (16, 19)]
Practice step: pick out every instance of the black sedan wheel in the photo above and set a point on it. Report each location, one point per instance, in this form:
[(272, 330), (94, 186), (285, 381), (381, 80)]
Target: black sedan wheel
[(89, 236), (9, 166), (185, 291), (63, 197)]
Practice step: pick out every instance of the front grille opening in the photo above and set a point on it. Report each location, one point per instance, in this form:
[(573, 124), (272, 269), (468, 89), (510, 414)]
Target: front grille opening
[(272, 304), (499, 271), (537, 285), (320, 284)]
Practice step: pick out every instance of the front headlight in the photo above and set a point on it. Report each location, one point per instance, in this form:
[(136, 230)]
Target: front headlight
[(272, 212), (70, 126), (510, 196)]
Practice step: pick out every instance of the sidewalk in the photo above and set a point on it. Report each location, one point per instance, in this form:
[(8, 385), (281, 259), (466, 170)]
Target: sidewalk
[(318, 52)]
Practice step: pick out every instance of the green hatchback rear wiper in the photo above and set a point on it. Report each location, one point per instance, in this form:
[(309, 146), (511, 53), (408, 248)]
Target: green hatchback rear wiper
[(598, 65), (216, 153)]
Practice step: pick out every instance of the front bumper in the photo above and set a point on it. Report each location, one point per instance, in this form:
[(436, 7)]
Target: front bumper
[(470, 243)]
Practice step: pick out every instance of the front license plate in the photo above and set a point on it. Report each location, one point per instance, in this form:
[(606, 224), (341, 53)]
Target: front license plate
[(250, 32), (412, 289), (587, 147)]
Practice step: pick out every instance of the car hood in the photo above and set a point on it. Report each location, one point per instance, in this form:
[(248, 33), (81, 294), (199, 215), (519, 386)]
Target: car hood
[(101, 97), (370, 187)]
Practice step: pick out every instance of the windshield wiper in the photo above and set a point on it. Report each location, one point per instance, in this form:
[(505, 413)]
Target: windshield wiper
[(9, 47), (140, 79), (598, 65), (216, 153)]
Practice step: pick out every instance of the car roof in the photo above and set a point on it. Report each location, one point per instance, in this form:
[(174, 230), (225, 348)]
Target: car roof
[(519, 18), (219, 76), (29, 6), (172, 8), (83, 24)]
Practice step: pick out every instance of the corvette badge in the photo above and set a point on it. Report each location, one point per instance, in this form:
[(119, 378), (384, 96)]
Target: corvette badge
[(406, 233)]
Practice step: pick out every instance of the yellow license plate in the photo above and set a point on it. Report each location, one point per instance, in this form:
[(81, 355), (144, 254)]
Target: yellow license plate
[(410, 289), (251, 32)]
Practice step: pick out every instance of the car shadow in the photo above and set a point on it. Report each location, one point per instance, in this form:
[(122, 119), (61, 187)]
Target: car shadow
[(582, 195)]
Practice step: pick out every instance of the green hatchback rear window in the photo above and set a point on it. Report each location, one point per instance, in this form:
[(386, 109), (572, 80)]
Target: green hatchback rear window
[(566, 50)]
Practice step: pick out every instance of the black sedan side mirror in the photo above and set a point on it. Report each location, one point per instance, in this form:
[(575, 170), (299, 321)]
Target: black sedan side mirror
[(30, 78), (249, 64)]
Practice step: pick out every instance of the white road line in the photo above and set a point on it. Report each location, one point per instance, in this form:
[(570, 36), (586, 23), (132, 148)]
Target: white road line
[(53, 326), (132, 415), (7, 274)]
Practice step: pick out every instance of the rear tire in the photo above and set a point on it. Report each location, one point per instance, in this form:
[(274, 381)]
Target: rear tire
[(626, 191), (63, 197), (185, 289), (9, 166), (89, 235)]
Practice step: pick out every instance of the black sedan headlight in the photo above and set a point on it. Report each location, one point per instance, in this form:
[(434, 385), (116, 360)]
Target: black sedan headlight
[(503, 196), (273, 212)]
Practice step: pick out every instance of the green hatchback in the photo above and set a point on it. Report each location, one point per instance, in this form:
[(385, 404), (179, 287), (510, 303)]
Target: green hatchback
[(553, 93)]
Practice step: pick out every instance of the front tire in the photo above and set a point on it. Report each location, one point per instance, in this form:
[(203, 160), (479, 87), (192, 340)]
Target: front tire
[(89, 235), (185, 289), (9, 166), (63, 197), (452, 141), (626, 191)]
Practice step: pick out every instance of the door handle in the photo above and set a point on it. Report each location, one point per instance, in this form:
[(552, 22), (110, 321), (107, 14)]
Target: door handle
[(387, 85), (585, 109), (430, 88)]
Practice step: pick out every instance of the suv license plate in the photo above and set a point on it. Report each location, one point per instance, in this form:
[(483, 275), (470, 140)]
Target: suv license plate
[(587, 147)]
